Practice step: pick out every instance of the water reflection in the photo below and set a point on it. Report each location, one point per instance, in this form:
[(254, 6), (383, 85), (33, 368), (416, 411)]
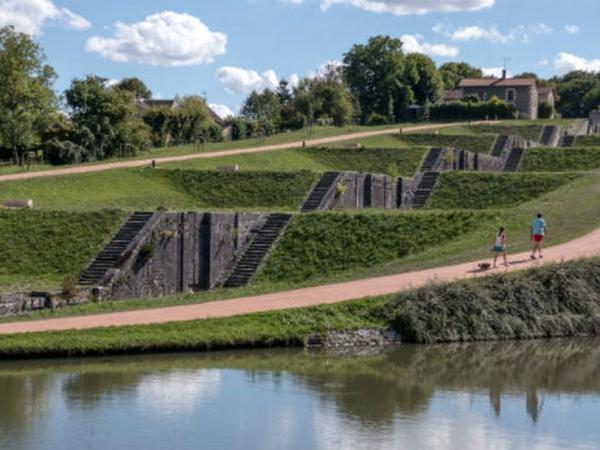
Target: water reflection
[(307, 399)]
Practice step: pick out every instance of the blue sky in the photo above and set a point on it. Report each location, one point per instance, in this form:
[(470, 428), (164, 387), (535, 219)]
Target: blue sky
[(226, 48)]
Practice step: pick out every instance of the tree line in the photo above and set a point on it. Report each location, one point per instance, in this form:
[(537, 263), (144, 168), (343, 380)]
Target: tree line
[(376, 83)]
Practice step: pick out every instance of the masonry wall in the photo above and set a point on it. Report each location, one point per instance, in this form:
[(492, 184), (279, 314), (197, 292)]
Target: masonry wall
[(362, 190)]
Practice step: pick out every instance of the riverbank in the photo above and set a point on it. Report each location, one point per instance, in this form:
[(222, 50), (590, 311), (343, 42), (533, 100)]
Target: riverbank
[(561, 300)]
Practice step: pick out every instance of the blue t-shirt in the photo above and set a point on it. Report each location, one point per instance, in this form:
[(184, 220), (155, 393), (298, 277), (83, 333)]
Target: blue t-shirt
[(539, 226)]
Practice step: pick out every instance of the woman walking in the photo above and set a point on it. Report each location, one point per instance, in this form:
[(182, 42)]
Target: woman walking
[(500, 246)]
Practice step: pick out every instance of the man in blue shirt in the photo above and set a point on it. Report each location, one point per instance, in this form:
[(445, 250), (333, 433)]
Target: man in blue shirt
[(538, 231)]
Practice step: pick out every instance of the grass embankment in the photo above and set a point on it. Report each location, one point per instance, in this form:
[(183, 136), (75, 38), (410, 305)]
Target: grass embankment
[(148, 189), (588, 141), (559, 300), (38, 249), (473, 190), (318, 245), (480, 143), (540, 159)]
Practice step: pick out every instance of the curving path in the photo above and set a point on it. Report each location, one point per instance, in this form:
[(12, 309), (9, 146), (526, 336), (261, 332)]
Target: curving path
[(586, 246), (240, 151)]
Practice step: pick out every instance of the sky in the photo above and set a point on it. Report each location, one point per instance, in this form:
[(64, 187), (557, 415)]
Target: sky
[(225, 49)]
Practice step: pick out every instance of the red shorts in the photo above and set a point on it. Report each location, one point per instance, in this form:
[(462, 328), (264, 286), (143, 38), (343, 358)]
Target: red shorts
[(537, 238)]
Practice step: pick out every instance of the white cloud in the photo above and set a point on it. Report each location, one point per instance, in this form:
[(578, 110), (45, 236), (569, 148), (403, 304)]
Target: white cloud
[(30, 16), (294, 80), (566, 62), (543, 62), (491, 34), (572, 29), (164, 39), (414, 43), (408, 7), (112, 82), (495, 72), (244, 81), (222, 111)]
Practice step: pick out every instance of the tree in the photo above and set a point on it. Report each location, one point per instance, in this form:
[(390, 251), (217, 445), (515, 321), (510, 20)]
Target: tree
[(106, 120), (283, 93), (575, 92), (27, 101), (452, 73), (375, 74), (136, 86), (424, 78), (264, 109)]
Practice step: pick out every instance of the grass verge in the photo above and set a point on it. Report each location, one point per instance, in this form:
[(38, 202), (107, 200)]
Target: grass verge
[(557, 159)]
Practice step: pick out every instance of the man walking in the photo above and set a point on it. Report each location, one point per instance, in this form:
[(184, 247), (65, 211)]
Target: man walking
[(538, 231)]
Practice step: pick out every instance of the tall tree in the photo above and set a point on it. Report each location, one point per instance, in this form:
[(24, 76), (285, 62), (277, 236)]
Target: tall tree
[(453, 72), (575, 92), (375, 73), (283, 92), (27, 100), (136, 86), (424, 78), (264, 109)]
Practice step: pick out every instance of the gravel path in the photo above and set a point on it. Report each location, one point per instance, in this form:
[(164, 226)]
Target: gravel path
[(586, 246), (79, 169)]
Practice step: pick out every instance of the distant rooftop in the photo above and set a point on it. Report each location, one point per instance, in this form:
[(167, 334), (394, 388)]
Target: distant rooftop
[(497, 82)]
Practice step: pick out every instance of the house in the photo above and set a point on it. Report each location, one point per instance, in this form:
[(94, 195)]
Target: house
[(520, 92), (546, 94)]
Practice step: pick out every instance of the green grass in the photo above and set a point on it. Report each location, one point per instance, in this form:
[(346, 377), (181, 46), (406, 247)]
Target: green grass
[(41, 248), (588, 141), (397, 162), (540, 159), (480, 143), (148, 189), (473, 190), (317, 245), (556, 300), (245, 189)]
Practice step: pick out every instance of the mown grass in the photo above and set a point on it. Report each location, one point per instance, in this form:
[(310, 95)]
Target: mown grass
[(552, 301), (479, 143), (393, 161), (148, 189), (474, 190), (324, 244), (540, 159), (40, 248), (588, 141)]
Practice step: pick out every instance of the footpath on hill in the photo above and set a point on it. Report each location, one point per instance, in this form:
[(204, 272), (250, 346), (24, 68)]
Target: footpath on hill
[(79, 169), (586, 246)]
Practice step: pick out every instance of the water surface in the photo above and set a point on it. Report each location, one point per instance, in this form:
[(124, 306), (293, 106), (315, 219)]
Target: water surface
[(523, 395)]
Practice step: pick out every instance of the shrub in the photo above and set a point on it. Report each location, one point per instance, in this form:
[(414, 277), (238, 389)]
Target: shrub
[(461, 110), (69, 287), (378, 119), (238, 129), (214, 133), (545, 110), (65, 152)]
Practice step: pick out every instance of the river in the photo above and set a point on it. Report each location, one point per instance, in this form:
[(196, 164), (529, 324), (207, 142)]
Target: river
[(512, 395)]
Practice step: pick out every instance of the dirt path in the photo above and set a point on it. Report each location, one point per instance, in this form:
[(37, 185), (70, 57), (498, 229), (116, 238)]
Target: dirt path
[(588, 245), (206, 155)]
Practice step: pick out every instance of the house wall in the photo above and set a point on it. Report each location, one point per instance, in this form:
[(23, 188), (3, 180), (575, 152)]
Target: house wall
[(526, 100)]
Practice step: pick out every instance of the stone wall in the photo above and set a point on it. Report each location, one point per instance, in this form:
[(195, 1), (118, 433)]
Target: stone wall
[(17, 303), (182, 252), (362, 190), (595, 122)]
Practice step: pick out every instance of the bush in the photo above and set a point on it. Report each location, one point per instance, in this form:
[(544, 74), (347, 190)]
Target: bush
[(238, 130), (69, 287), (470, 190), (462, 110), (545, 110), (377, 119), (319, 245), (65, 152), (214, 133)]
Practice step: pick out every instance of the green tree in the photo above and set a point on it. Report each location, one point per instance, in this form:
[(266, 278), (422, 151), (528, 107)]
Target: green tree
[(452, 73), (424, 78), (106, 120), (27, 101), (135, 86), (283, 93), (264, 109), (375, 74), (575, 93)]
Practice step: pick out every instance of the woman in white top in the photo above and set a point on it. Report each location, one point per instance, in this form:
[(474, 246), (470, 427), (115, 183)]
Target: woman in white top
[(500, 246)]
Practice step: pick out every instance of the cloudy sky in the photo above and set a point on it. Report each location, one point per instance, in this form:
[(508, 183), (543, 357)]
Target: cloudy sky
[(225, 49)]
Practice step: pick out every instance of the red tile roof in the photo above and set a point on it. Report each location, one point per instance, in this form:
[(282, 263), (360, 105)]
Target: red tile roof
[(497, 82), (452, 94)]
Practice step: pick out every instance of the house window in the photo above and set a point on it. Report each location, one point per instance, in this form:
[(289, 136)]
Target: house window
[(511, 95)]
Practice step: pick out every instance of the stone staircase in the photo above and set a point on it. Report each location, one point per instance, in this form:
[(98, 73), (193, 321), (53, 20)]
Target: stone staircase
[(110, 256), (550, 136), (319, 192), (431, 159), (567, 141), (499, 145), (255, 254), (514, 160), (424, 189)]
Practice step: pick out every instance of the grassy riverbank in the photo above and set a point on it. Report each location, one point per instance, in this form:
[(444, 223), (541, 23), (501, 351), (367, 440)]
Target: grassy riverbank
[(556, 300)]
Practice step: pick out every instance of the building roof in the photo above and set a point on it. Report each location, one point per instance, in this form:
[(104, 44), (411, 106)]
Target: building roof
[(545, 90), (452, 94), (497, 82), (152, 103)]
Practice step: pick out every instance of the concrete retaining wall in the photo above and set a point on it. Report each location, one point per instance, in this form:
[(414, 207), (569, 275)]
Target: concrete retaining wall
[(362, 190)]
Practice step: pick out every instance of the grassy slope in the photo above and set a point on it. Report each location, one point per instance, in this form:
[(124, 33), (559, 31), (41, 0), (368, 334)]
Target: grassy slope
[(472, 190), (146, 189), (41, 248), (480, 143), (559, 300), (317, 245), (540, 159)]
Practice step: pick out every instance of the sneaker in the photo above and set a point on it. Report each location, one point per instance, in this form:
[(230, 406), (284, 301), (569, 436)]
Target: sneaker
[(532, 257)]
